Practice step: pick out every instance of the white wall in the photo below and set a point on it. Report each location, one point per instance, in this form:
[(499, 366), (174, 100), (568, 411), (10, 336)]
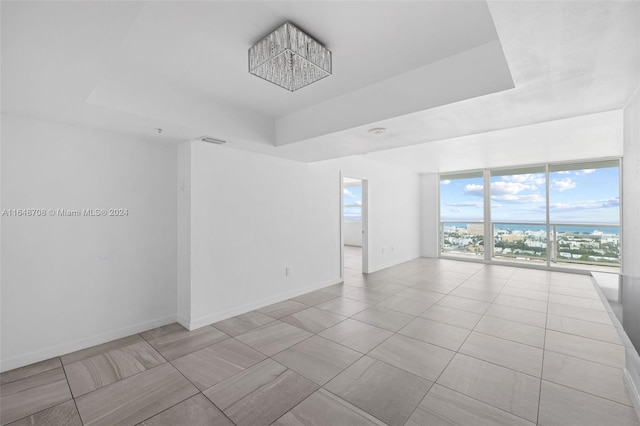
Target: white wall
[(352, 230), (184, 233), (631, 242), (394, 207), (73, 282), (253, 215), (429, 186), (249, 221), (631, 188)]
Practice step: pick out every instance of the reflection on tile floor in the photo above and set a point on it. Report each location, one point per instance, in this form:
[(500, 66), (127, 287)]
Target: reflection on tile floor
[(430, 341)]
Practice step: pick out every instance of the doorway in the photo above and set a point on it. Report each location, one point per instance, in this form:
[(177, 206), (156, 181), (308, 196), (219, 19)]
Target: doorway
[(353, 229)]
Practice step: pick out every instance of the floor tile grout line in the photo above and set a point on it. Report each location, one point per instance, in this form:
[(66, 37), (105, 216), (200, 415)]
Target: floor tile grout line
[(73, 398), (544, 352), (31, 375), (166, 361), (588, 393), (45, 409), (397, 332), (582, 319), (447, 366), (106, 351), (526, 309), (519, 322), (378, 360), (362, 355), (197, 388), (583, 359), (458, 352), (350, 403), (506, 339), (585, 337), (483, 402), (496, 364), (580, 307), (119, 380), (143, 371)]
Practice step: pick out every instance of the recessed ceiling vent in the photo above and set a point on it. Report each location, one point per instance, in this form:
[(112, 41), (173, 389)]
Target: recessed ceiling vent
[(209, 139)]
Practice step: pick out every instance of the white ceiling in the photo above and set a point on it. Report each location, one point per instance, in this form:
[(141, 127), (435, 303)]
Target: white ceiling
[(577, 138), (427, 70)]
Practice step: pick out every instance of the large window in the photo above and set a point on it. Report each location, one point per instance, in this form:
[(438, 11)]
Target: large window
[(584, 213), (462, 214), (560, 215), (519, 214)]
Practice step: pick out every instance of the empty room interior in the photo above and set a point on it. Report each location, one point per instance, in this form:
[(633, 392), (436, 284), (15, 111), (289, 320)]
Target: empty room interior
[(320, 213)]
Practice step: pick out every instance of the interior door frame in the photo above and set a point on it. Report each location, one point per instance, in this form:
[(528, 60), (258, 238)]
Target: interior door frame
[(365, 221)]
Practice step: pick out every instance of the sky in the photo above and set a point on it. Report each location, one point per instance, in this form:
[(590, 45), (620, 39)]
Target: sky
[(575, 196), (352, 196)]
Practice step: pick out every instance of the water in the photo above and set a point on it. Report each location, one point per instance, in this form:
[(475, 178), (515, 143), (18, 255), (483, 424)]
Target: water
[(583, 229)]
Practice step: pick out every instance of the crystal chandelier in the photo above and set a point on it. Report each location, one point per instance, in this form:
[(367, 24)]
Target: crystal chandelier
[(289, 58)]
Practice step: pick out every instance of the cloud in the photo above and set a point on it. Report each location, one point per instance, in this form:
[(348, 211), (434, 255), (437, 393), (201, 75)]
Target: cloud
[(445, 182), (584, 172), (474, 189), (359, 203), (564, 173), (527, 178), (507, 192), (585, 205), (455, 210), (510, 188), (348, 193), (517, 198), (562, 184), (466, 204)]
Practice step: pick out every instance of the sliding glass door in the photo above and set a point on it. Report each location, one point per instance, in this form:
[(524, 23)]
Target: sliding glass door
[(564, 215), (519, 214), (584, 213)]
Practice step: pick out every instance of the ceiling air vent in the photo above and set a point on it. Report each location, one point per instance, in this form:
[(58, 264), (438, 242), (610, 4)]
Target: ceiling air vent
[(209, 139)]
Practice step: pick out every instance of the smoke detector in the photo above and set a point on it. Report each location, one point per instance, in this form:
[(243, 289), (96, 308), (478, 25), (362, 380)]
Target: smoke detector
[(378, 131)]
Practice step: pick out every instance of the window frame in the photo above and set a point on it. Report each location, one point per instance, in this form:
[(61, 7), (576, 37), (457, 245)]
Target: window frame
[(486, 173)]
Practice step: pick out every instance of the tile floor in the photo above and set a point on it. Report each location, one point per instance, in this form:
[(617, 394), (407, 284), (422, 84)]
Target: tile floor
[(425, 342)]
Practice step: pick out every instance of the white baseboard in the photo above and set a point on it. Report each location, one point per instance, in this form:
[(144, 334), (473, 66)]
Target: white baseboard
[(219, 316), (65, 348), (76, 345), (183, 321)]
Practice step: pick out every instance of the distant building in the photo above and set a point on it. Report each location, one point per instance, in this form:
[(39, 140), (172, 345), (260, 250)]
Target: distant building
[(475, 229)]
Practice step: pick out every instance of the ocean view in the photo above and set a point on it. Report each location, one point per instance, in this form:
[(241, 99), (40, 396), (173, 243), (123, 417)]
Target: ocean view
[(582, 229)]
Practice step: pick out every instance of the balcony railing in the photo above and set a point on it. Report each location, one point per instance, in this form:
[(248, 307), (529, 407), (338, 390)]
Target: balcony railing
[(566, 243), (525, 241), (462, 238), (572, 243)]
